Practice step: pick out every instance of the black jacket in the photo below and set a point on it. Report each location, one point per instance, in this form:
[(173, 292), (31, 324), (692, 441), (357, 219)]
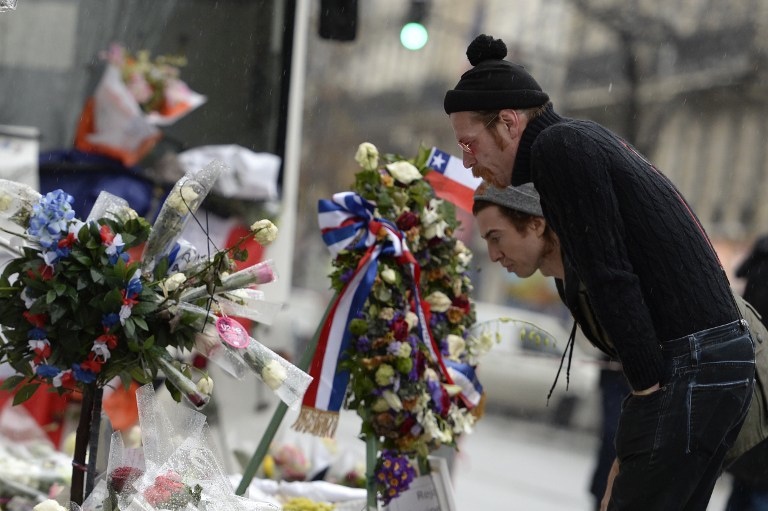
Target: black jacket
[(647, 265)]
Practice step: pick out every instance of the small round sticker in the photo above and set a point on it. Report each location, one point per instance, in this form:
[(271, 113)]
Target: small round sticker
[(232, 332)]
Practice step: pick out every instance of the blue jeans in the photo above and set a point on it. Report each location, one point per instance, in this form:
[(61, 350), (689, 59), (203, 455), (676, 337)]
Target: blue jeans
[(670, 444)]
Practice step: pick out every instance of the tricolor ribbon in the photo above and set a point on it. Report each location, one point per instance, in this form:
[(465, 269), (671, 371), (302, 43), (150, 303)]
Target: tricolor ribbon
[(347, 223)]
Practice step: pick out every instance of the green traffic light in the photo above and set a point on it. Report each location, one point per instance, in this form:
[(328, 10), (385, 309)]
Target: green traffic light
[(414, 36)]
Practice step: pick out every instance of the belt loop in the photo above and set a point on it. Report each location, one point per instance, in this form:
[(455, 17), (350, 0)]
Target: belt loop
[(694, 350)]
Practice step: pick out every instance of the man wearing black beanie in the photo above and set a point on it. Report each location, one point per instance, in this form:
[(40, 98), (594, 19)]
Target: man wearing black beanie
[(654, 281)]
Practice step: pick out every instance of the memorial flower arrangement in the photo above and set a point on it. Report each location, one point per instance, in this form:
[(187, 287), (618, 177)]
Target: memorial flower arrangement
[(78, 310), (154, 83), (411, 355), (173, 469), (87, 302), (136, 95)]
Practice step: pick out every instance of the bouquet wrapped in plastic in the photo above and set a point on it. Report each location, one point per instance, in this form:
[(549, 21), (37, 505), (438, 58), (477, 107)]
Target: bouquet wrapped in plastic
[(136, 94), (173, 470), (77, 310)]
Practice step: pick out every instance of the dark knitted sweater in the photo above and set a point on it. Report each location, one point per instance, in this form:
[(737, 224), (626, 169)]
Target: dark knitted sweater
[(649, 269)]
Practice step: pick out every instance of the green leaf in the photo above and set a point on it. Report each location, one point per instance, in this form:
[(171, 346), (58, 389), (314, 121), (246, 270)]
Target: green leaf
[(130, 328), (96, 276), (138, 374), (56, 311), (139, 321), (25, 393), (12, 382), (50, 296)]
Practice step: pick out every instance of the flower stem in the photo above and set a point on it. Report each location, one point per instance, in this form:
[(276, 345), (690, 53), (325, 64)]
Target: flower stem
[(82, 436)]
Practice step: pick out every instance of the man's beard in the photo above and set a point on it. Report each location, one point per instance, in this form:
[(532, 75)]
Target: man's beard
[(486, 175)]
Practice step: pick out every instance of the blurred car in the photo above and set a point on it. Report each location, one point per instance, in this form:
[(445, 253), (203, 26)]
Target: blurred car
[(518, 372)]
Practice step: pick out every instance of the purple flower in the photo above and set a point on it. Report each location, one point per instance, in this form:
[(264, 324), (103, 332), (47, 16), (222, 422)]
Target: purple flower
[(347, 276), (363, 344), (394, 474)]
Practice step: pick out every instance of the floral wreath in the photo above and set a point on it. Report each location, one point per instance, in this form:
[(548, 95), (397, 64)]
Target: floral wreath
[(412, 355)]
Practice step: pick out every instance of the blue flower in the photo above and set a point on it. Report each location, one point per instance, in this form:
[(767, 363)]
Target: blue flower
[(134, 286), (109, 320), (50, 219), (83, 375), (37, 333), (46, 371)]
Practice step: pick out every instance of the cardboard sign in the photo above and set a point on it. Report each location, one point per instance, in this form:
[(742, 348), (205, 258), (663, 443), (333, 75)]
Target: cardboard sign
[(432, 492)]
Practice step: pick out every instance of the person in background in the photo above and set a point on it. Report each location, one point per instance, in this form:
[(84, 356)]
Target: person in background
[(512, 223), (749, 493)]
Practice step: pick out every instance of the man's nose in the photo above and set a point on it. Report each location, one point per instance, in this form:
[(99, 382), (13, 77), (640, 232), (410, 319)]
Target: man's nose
[(468, 160)]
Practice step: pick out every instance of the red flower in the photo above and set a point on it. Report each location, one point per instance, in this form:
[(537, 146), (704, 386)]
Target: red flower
[(47, 272), (109, 339), (462, 302), (37, 320), (400, 329), (122, 476), (92, 363), (129, 300), (107, 236), (67, 241), (68, 380), (42, 353), (407, 220)]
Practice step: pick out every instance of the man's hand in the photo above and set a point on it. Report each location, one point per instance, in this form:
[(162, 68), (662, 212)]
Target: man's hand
[(609, 485), (645, 392)]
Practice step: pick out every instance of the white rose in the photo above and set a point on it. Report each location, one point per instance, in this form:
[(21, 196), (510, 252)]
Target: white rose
[(392, 400), (389, 276), (438, 301), (274, 375), (411, 319), (367, 156), (173, 282), (49, 505), (387, 314), (456, 346), (264, 232), (436, 230), (205, 385), (404, 172), (182, 199)]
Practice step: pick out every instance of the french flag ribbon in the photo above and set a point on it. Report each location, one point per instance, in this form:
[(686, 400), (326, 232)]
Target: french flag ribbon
[(347, 223)]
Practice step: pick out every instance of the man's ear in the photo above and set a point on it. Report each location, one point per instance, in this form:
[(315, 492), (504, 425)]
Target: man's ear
[(512, 119), (538, 225)]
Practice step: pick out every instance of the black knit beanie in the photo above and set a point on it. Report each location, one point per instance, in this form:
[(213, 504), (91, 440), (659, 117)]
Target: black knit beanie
[(494, 83)]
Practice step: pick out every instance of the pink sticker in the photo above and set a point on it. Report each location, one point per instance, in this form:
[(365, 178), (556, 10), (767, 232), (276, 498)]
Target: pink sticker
[(232, 332)]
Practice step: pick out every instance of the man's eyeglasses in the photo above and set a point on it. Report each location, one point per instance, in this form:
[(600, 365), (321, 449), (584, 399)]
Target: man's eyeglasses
[(465, 146)]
